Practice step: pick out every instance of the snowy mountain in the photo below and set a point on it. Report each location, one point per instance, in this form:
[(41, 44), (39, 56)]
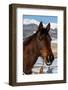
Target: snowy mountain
[(33, 21), (30, 26), (53, 25), (30, 21)]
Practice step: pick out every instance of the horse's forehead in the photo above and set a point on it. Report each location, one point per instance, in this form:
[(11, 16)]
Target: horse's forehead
[(49, 37), (47, 33)]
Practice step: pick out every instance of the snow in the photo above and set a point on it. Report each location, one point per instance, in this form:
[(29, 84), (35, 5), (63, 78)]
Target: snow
[(54, 40), (46, 69), (33, 21), (53, 25)]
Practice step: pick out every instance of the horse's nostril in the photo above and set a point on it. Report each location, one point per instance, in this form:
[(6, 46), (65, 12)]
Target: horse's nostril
[(50, 58)]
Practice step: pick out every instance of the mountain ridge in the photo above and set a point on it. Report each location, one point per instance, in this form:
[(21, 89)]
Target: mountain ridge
[(33, 21)]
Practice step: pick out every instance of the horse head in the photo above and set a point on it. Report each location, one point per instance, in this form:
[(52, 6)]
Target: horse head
[(44, 43)]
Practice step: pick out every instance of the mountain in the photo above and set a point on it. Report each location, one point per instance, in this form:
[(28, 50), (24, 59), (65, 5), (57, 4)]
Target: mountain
[(30, 21), (31, 26), (33, 21), (53, 33), (53, 25), (29, 29)]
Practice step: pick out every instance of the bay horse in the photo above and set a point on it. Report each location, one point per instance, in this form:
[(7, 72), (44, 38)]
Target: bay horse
[(39, 44)]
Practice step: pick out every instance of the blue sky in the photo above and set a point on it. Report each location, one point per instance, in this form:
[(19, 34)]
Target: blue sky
[(44, 19)]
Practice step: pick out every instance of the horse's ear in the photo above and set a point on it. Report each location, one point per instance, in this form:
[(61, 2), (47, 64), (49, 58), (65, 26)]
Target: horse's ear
[(48, 27), (40, 26)]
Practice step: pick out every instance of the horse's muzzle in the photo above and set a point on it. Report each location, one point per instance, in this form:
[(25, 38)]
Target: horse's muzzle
[(50, 60)]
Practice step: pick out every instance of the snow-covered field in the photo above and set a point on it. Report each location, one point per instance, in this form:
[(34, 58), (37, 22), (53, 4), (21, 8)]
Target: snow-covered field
[(46, 69)]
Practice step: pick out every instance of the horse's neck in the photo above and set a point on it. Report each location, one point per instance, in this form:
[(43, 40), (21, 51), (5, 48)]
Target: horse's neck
[(34, 50), (36, 47), (31, 45)]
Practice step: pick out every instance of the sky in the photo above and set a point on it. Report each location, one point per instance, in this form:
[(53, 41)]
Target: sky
[(44, 19)]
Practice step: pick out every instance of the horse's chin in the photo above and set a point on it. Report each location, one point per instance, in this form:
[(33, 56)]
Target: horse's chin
[(49, 64)]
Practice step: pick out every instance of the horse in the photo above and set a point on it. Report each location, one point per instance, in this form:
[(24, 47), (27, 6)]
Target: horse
[(38, 44)]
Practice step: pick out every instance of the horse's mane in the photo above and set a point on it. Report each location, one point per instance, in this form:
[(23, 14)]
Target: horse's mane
[(28, 39)]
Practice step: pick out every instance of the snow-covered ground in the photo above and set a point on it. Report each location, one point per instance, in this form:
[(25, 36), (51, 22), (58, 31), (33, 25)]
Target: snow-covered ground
[(46, 69)]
